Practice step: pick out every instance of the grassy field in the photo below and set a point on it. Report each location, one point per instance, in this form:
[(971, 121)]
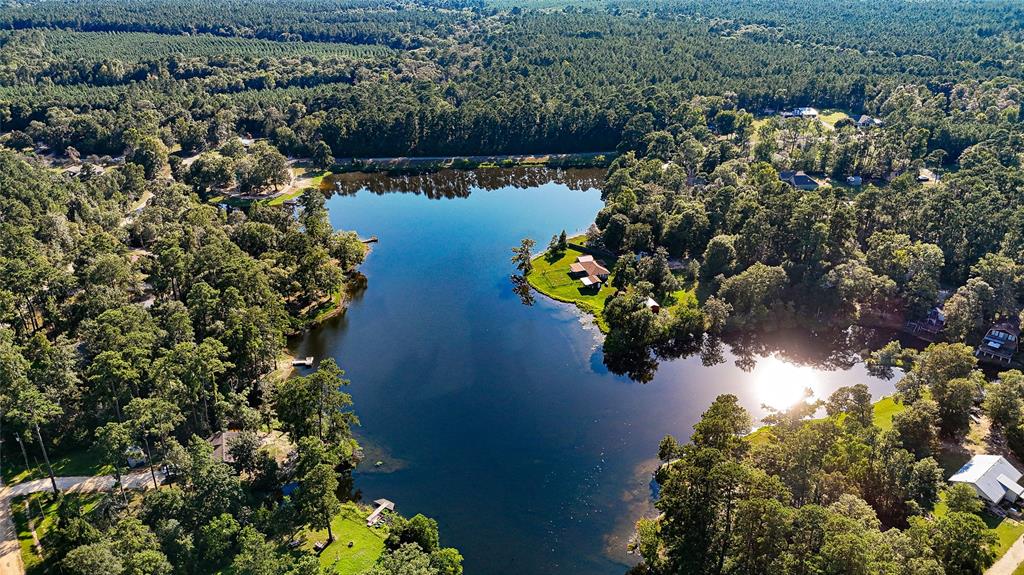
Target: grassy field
[(349, 526), (550, 276), (26, 507), (80, 462)]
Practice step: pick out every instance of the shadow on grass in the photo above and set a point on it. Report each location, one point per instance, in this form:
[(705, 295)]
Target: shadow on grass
[(552, 257)]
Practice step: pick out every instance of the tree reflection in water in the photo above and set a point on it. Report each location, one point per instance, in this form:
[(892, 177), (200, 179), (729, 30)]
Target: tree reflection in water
[(828, 350), (522, 288), (448, 184)]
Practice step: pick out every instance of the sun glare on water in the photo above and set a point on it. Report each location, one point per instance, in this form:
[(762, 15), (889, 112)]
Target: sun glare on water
[(781, 385)]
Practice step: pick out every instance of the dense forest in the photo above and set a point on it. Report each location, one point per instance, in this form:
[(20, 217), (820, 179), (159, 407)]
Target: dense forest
[(137, 314), (702, 188), (387, 78)]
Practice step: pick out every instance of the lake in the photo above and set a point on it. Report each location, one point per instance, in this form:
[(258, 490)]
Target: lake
[(499, 419)]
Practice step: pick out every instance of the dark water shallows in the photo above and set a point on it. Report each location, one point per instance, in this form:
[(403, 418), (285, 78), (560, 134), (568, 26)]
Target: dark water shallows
[(498, 419)]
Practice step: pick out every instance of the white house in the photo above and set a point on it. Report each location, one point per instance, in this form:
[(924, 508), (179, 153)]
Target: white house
[(992, 476), (805, 112)]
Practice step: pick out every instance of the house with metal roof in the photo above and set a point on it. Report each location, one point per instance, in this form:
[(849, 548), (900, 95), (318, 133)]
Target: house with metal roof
[(992, 476)]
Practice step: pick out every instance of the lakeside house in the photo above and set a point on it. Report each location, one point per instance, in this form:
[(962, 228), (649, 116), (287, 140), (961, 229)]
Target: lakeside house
[(798, 180), (589, 271), (993, 477), (928, 328), (805, 112), (999, 344)]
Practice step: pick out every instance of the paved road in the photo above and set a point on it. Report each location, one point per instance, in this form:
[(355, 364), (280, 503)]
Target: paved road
[(10, 549), (1008, 563)]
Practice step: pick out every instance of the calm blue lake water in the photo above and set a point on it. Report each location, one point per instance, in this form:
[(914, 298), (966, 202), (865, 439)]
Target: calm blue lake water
[(498, 419)]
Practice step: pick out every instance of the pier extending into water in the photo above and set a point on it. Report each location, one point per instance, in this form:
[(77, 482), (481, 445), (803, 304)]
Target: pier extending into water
[(382, 505)]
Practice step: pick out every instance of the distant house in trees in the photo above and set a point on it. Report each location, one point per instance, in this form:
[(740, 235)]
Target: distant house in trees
[(798, 180), (801, 113), (652, 305), (928, 328), (992, 476), (221, 448), (589, 271), (865, 121), (1000, 343)]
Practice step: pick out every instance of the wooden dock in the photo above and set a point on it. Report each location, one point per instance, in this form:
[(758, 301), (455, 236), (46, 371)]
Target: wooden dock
[(303, 362), (382, 505)]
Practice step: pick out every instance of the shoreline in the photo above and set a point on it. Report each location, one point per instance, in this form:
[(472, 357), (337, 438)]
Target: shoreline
[(427, 164)]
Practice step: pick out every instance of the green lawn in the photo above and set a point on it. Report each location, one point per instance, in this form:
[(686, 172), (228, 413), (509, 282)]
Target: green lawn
[(327, 309), (1006, 530), (350, 526), (80, 462), (831, 117), (26, 507), (300, 172), (550, 276), (885, 409)]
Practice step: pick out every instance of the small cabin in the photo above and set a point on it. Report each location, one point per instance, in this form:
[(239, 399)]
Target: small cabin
[(999, 344)]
